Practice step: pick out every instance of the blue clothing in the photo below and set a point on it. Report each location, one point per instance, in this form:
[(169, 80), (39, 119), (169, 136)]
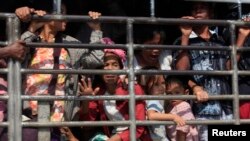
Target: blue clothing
[(209, 60), (157, 132)]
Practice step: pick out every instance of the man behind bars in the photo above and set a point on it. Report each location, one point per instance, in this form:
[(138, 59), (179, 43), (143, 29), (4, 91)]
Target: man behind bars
[(201, 35)]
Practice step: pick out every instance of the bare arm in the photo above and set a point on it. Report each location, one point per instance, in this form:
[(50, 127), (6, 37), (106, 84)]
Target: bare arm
[(183, 62), (25, 13), (15, 50), (154, 115)]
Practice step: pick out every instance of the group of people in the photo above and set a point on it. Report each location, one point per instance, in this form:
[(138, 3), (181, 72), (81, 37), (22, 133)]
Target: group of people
[(178, 111)]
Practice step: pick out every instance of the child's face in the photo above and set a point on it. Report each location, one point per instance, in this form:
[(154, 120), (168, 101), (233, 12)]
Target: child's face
[(153, 85), (200, 11), (175, 89), (111, 64)]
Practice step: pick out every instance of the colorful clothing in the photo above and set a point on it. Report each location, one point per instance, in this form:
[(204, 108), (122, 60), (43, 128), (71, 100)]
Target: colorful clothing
[(45, 58), (183, 110), (39, 83), (97, 112), (157, 132)]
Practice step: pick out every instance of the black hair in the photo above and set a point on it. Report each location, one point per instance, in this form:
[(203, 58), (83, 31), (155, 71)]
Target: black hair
[(178, 79), (144, 33), (209, 5), (116, 57), (46, 5)]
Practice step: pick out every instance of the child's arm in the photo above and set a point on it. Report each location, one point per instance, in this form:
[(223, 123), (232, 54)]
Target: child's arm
[(154, 115)]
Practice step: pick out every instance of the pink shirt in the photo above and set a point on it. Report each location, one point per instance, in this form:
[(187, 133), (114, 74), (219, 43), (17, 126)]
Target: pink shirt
[(183, 109)]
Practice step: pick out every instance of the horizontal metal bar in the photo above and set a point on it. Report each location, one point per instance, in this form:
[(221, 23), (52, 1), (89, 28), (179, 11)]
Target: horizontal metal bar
[(95, 71), (246, 72), (6, 15), (186, 72), (3, 43), (244, 96), (126, 123), (72, 71), (4, 124), (75, 45), (51, 98), (180, 47), (3, 71), (4, 97), (141, 97), (75, 124), (241, 49), (182, 97), (245, 121), (145, 20), (189, 122)]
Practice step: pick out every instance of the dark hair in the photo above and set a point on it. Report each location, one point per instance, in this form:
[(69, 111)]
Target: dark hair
[(178, 79), (210, 6), (144, 33), (46, 5), (114, 57), (143, 79)]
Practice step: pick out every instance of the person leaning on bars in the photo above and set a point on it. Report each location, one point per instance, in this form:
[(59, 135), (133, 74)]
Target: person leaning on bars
[(112, 110), (47, 58), (201, 35), (177, 85), (155, 109)]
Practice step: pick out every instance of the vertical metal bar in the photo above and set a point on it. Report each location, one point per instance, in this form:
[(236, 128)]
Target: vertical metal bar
[(234, 65), (152, 8), (18, 86), (131, 80), (57, 6), (11, 101), (43, 116), (239, 9)]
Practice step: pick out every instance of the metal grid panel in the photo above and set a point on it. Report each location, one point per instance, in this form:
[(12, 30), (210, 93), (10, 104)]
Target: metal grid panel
[(14, 99)]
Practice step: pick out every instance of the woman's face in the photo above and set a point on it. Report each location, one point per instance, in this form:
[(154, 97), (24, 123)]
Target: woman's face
[(111, 64), (200, 11), (151, 56)]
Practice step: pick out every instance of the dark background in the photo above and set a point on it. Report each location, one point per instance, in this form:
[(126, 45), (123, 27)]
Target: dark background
[(141, 8)]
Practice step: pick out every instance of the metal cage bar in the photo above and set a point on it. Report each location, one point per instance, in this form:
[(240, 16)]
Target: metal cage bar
[(18, 85), (11, 100), (131, 75)]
